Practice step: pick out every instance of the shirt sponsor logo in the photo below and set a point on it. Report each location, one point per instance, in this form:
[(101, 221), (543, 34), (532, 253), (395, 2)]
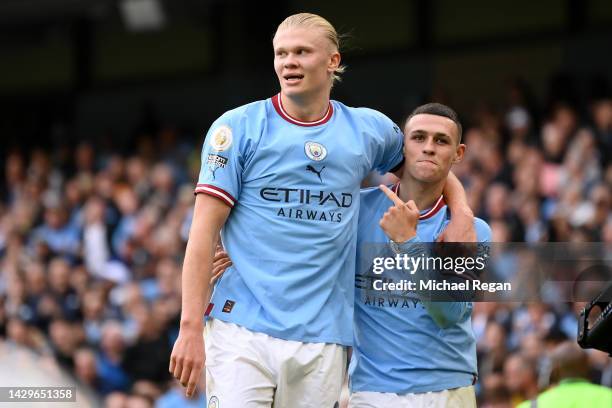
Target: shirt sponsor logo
[(313, 215), (215, 162), (400, 302), (304, 196), (308, 198)]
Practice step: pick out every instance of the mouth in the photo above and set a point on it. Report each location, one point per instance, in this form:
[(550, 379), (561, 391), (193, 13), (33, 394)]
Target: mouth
[(293, 78), (428, 161)]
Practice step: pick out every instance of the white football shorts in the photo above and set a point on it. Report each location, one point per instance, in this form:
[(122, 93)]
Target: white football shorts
[(246, 369)]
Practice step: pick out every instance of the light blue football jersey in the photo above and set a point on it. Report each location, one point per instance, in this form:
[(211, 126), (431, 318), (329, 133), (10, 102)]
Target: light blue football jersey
[(398, 348), (294, 191)]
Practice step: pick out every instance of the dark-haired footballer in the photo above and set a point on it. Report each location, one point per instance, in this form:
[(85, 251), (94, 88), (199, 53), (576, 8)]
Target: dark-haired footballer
[(423, 354)]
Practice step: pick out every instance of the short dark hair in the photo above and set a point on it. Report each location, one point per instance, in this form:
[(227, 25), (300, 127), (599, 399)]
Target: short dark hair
[(437, 109)]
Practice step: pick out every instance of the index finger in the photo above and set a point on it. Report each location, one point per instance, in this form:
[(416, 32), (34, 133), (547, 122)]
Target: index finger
[(391, 195)]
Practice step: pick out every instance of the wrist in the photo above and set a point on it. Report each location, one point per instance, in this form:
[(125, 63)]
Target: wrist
[(402, 247), (403, 236), (192, 325)]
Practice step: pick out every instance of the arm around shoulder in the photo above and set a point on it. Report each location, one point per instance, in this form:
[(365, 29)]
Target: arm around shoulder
[(461, 226)]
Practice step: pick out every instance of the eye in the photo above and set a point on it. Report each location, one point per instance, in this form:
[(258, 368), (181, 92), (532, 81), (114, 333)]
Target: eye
[(418, 138), (442, 141), (281, 53)]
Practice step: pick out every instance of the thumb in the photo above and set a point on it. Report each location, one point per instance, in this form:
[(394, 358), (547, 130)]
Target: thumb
[(412, 205)]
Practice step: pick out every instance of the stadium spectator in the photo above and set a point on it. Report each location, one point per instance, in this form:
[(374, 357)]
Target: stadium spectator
[(495, 394), (56, 235), (572, 388), (147, 359), (85, 368), (601, 111), (521, 378), (109, 359), (63, 342)]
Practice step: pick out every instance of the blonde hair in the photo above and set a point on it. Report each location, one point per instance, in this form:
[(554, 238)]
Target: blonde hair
[(309, 20)]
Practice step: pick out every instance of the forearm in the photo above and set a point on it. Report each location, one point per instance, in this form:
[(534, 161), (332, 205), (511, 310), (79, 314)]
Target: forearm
[(455, 197), (196, 276), (443, 313), (209, 217)]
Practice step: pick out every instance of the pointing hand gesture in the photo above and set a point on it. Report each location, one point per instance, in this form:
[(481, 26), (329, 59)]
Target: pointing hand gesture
[(399, 222)]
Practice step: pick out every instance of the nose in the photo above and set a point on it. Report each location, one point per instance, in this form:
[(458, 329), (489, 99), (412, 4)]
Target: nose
[(290, 61), (429, 147)]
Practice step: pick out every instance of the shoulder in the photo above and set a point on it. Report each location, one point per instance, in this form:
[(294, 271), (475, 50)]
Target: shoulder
[(250, 111), (365, 114), (603, 391), (232, 125), (483, 231)]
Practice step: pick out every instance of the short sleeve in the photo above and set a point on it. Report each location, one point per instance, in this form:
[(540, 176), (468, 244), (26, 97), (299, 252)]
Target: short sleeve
[(483, 231), (223, 154), (389, 151)]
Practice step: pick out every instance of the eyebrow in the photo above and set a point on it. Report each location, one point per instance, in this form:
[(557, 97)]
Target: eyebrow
[(296, 47), (423, 132)]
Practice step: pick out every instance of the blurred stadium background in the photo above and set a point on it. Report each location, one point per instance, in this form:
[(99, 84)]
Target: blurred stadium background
[(105, 103)]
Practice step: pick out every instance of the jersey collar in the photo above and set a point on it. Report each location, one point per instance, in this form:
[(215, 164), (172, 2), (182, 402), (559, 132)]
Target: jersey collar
[(427, 213), (278, 105)]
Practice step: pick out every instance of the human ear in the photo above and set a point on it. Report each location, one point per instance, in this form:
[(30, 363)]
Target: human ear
[(459, 153)]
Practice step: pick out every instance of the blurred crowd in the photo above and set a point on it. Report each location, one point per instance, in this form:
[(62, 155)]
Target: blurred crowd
[(537, 173), (92, 245), (545, 180), (92, 240)]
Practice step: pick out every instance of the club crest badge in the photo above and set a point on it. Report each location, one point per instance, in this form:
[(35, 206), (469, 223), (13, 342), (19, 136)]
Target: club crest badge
[(213, 402), (315, 151), (221, 138)]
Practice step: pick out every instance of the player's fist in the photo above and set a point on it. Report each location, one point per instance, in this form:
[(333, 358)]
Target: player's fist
[(400, 220), (187, 359)]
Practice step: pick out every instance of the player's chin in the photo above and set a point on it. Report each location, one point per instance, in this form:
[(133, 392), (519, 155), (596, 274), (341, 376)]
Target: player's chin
[(292, 89), (429, 177)]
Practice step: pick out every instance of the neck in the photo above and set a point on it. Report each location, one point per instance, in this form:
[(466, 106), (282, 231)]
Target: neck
[(307, 108), (424, 195)]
